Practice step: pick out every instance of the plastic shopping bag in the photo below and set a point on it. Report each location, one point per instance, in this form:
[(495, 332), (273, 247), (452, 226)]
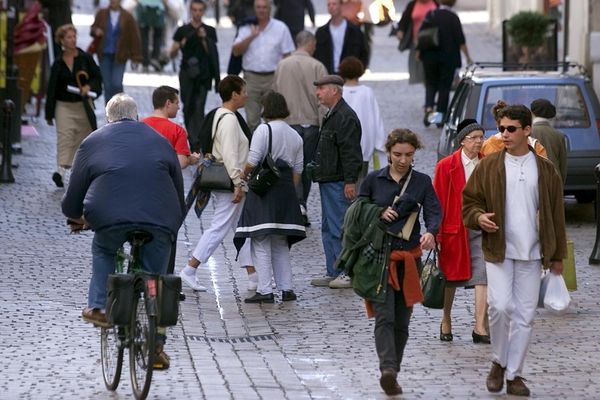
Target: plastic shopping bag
[(543, 286), (556, 298)]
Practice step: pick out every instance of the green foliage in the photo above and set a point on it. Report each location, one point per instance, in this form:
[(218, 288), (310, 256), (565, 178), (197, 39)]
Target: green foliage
[(528, 28)]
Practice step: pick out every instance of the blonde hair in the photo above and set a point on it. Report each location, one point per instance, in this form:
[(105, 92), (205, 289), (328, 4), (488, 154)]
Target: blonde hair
[(62, 30)]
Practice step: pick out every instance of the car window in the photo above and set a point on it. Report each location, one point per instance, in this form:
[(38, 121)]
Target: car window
[(457, 107), (571, 110)]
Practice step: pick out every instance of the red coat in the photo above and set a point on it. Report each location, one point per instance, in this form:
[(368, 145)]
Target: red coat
[(449, 182)]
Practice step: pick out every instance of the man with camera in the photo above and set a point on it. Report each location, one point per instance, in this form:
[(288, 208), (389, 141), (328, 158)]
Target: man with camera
[(199, 65)]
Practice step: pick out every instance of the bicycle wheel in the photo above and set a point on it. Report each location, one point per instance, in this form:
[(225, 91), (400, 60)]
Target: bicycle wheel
[(111, 351), (141, 347)]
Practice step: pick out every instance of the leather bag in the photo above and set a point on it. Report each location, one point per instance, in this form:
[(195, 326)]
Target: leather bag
[(265, 175), (214, 176), (433, 282), (428, 38)]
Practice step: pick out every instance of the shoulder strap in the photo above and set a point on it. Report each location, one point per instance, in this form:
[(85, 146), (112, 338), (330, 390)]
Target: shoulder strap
[(270, 137)]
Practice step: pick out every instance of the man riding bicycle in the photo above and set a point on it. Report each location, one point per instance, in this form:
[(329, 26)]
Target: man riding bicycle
[(125, 177)]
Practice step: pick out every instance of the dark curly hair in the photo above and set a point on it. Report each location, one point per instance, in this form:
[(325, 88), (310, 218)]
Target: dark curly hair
[(402, 135), (351, 68), (500, 104), (517, 112)]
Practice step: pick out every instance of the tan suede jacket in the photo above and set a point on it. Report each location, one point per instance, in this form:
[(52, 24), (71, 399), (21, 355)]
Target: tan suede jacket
[(485, 193), (129, 45)]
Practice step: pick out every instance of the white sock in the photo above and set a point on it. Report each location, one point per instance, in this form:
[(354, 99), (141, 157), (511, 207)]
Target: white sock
[(189, 270), (253, 277)]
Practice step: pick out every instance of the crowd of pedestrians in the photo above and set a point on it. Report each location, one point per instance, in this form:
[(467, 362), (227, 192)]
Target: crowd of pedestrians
[(493, 209)]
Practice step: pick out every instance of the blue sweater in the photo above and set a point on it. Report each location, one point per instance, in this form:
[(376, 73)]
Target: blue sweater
[(125, 173)]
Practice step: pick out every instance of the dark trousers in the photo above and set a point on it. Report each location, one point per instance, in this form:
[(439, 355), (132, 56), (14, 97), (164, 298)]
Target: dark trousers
[(157, 34), (438, 80), (391, 327), (310, 138), (193, 97)]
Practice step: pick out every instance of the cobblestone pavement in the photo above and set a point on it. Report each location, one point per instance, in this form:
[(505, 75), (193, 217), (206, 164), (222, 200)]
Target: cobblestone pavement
[(319, 347)]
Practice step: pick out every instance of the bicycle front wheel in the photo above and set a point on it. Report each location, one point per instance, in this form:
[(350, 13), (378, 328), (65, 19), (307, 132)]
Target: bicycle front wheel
[(142, 347), (111, 351)]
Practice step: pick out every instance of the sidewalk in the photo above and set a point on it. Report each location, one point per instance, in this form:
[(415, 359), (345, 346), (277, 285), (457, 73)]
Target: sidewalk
[(319, 347)]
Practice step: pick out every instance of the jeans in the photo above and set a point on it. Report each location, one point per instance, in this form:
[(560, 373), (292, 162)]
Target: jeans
[(333, 208), (112, 76), (193, 97), (310, 138), (155, 256)]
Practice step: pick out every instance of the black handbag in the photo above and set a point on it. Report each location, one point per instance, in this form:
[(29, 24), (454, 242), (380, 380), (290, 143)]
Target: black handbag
[(213, 174), (265, 175), (428, 37), (433, 282)]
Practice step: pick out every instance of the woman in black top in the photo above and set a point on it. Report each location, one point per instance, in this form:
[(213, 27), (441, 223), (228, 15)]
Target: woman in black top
[(74, 81), (400, 189), (441, 63)]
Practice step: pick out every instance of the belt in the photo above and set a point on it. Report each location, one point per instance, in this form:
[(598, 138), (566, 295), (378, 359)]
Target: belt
[(261, 73)]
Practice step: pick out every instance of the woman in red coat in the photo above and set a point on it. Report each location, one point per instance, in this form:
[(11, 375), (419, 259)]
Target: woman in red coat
[(460, 254)]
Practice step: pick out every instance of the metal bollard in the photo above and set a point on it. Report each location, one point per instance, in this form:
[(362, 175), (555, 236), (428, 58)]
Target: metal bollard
[(595, 257), (6, 175)]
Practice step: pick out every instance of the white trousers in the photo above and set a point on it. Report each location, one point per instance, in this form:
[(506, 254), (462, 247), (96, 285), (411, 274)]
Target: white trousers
[(271, 256), (513, 290), (225, 219)]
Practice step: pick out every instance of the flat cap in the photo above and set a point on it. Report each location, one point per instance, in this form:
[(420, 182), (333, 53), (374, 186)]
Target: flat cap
[(543, 108), (329, 80)]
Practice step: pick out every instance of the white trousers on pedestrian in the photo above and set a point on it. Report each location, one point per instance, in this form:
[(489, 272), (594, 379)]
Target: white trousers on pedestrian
[(271, 256), (513, 290), (225, 219)]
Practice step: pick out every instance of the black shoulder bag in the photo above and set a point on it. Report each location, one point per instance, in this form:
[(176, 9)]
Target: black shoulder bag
[(265, 175)]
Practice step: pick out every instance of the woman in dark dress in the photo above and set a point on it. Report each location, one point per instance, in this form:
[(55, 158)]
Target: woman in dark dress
[(75, 80)]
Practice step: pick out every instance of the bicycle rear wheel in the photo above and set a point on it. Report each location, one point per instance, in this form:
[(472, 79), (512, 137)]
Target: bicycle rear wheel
[(141, 347), (111, 351)]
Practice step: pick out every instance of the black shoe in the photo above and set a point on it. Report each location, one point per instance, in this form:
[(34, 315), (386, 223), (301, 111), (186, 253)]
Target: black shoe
[(57, 178), (426, 119), (305, 220), (288, 295), (156, 65), (388, 382), (445, 337), (477, 338), (260, 298)]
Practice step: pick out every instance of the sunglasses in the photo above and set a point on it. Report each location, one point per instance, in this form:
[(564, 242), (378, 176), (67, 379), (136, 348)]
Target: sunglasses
[(510, 128)]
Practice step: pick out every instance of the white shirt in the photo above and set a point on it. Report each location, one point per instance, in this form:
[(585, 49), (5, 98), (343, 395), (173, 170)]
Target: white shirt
[(362, 100), (337, 37), (265, 51), (521, 208), (469, 164), (114, 17), (286, 144)]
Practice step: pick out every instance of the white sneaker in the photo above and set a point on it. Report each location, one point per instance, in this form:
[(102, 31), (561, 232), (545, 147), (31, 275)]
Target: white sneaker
[(343, 281), (252, 286), (190, 280)]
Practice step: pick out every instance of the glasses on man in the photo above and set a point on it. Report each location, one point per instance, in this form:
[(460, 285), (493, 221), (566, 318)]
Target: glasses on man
[(475, 138), (510, 128)]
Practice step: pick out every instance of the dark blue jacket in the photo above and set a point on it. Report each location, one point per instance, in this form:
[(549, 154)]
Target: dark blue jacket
[(125, 173), (338, 156), (381, 189), (354, 45)]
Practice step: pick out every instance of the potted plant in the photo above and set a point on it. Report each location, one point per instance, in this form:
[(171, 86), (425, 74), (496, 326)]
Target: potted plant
[(528, 31)]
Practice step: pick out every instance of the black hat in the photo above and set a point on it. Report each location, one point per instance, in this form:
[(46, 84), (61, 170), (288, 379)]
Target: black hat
[(465, 127), (543, 108), (329, 80)]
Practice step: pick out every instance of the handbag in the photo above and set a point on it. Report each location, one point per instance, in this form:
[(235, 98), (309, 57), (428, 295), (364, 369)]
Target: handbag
[(433, 282), (428, 37), (265, 175), (214, 175)]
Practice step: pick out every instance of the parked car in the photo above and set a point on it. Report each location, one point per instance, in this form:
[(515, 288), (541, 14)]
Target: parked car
[(571, 91)]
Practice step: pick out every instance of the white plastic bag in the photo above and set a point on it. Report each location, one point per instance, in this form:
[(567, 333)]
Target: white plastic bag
[(543, 286), (556, 298)]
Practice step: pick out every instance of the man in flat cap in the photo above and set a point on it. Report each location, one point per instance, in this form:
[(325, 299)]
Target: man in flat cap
[(336, 166), (515, 197), (553, 140)]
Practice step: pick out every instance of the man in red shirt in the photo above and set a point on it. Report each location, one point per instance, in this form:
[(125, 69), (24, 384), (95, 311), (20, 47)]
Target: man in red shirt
[(165, 101)]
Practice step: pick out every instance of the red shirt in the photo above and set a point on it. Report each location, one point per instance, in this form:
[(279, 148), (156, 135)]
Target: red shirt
[(174, 133)]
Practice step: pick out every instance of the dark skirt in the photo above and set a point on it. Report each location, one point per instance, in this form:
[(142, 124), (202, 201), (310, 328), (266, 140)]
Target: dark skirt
[(275, 213)]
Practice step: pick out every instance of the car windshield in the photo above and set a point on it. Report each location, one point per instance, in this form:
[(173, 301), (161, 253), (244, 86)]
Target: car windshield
[(571, 111)]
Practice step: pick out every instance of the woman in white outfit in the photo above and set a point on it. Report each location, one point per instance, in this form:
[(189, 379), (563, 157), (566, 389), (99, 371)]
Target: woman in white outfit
[(230, 146), (273, 222)]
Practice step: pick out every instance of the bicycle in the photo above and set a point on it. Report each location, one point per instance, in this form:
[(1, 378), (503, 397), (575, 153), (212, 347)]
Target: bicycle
[(134, 319)]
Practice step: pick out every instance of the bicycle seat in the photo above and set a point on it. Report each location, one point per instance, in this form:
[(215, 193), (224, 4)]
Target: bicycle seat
[(139, 236)]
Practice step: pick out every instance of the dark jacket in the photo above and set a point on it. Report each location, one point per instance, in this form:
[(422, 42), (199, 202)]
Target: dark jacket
[(354, 45), (206, 61), (61, 76), (129, 45), (338, 156), (124, 173), (292, 13), (450, 35), (485, 193), (554, 143), (405, 24)]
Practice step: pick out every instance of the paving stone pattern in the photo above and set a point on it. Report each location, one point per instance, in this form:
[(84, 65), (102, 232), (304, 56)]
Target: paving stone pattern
[(319, 347)]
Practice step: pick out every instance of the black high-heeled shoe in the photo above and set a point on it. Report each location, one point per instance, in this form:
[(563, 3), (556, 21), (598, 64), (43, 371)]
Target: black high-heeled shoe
[(445, 337), (477, 338)]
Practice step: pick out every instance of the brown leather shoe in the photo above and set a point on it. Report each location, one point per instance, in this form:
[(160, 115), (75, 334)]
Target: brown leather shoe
[(96, 317), (495, 379), (517, 387), (388, 382)]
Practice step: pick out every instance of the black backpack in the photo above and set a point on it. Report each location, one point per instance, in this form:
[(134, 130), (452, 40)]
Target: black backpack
[(203, 141)]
